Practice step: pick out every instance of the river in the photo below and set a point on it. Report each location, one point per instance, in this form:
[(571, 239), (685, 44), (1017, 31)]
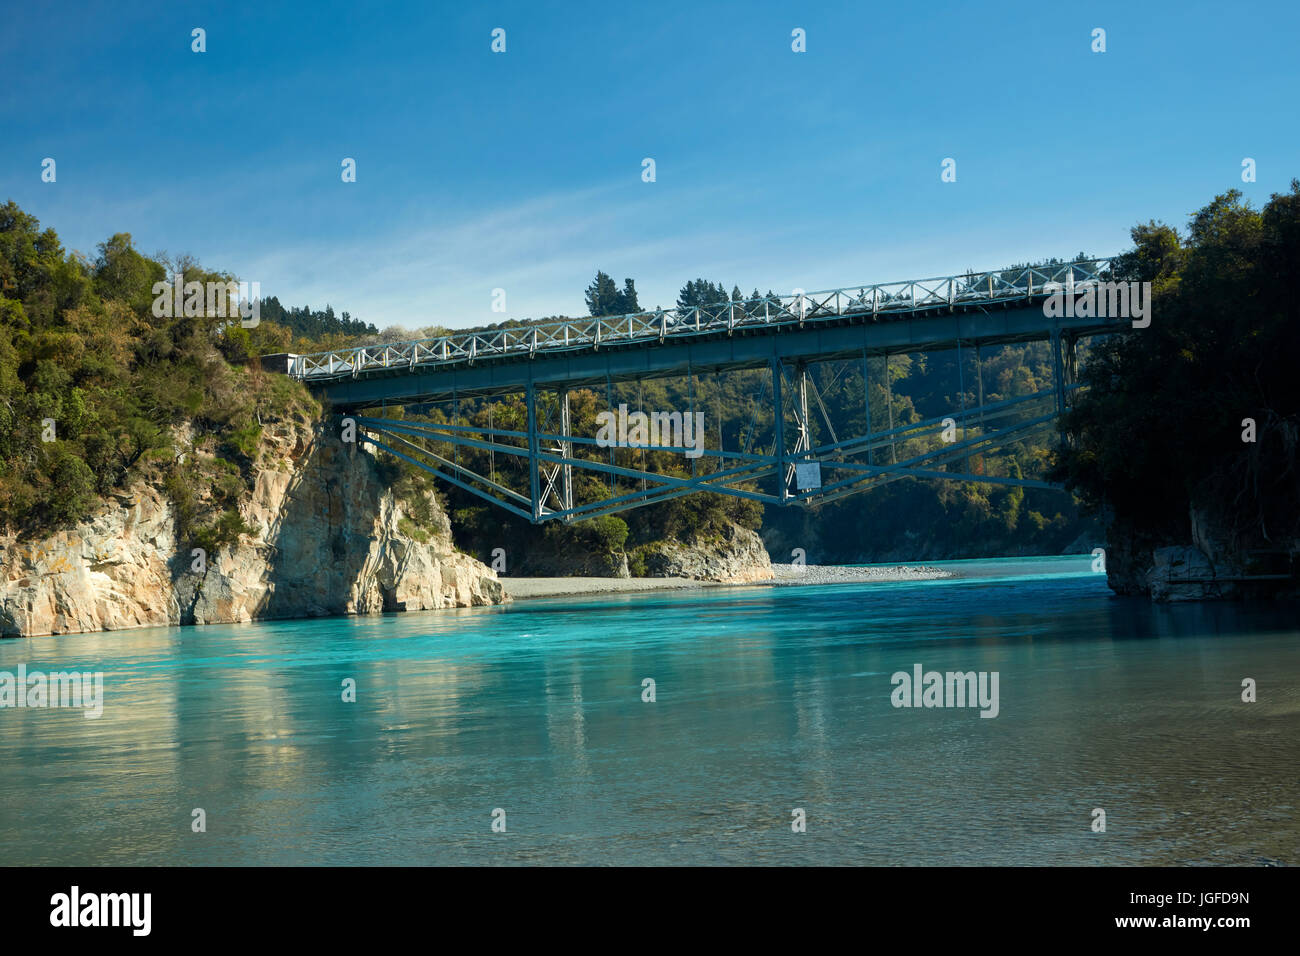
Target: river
[(767, 700)]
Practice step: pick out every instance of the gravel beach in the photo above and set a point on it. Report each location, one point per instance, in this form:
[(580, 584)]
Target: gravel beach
[(836, 574), (522, 589)]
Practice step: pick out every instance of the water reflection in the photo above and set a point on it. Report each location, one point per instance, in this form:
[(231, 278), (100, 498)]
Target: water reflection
[(767, 700)]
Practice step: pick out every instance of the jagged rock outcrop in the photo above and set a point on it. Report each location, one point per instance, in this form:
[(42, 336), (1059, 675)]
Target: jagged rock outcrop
[(734, 556), (329, 538), (737, 556), (1209, 567)]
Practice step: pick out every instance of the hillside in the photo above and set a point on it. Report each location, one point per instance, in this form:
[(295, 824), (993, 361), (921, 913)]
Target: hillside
[(1188, 437), (147, 476)]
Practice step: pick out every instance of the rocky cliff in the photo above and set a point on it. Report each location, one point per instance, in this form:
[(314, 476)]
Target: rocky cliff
[(328, 537), (736, 556), (1210, 565)]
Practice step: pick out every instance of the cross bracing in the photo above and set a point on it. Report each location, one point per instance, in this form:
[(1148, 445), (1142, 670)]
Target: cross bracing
[(542, 465)]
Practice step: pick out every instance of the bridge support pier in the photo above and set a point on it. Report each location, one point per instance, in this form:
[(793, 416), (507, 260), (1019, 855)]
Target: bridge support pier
[(778, 425), (566, 452), (961, 390), (866, 404), (889, 404), (534, 491), (1068, 349), (1058, 371), (804, 442)]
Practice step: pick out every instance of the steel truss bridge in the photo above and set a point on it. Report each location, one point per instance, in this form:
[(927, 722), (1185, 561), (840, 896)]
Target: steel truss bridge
[(392, 391)]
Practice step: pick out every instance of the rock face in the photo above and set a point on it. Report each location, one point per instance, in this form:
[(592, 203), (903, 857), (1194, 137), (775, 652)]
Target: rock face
[(329, 539), (736, 557), (1208, 567)]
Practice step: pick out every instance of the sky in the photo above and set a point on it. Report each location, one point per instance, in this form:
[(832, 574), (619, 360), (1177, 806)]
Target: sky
[(523, 170)]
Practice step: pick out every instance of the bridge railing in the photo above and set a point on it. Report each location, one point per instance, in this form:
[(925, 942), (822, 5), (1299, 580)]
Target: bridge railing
[(882, 299)]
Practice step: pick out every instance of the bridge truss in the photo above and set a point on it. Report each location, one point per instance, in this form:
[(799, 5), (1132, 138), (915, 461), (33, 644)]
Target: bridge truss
[(877, 302), (495, 414)]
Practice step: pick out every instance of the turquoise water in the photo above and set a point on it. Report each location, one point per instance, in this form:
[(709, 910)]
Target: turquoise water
[(768, 699)]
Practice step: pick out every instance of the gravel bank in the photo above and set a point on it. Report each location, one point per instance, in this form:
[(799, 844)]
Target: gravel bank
[(834, 574), (521, 589)]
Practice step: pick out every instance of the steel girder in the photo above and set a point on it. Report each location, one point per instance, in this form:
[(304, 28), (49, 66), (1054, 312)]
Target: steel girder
[(549, 452), (874, 302)]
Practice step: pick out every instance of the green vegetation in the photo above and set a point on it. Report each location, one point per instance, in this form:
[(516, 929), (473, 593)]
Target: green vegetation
[(909, 518), (94, 389), (306, 323), (700, 293), (923, 519), (1163, 430), (480, 527), (412, 530), (302, 330), (605, 298)]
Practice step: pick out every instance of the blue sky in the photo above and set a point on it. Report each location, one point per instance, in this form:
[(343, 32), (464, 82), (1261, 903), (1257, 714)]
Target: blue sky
[(522, 170)]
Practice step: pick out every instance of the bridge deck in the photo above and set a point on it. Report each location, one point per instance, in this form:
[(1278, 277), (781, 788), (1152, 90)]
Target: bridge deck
[(978, 308), (709, 350), (782, 335)]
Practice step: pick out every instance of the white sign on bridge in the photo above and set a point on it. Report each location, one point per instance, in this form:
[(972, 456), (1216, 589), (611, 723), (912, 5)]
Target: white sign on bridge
[(808, 475)]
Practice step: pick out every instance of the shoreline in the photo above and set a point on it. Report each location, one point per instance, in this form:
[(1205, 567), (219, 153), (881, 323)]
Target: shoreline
[(527, 589)]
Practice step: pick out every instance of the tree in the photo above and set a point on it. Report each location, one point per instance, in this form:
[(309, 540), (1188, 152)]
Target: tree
[(92, 383), (700, 292), (602, 295), (1158, 434), (628, 303), (124, 274), (605, 298)]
